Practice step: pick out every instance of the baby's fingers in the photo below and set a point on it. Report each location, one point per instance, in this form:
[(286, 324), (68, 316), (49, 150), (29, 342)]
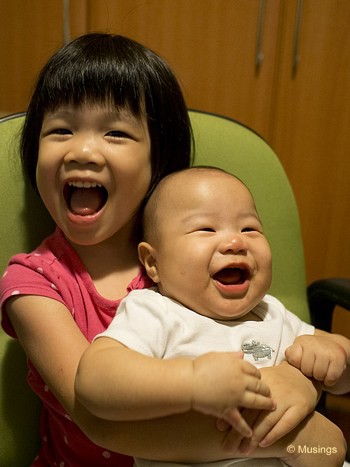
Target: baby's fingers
[(235, 419), (257, 395), (294, 355), (253, 400), (334, 371), (254, 384), (253, 380)]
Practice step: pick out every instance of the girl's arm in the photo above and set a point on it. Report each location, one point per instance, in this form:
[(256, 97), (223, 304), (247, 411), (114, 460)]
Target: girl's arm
[(187, 445), (296, 397), (51, 340)]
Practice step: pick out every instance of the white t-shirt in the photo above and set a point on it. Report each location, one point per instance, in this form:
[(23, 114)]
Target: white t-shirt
[(158, 326)]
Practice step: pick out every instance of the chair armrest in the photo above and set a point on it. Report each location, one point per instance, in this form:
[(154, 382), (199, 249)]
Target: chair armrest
[(323, 296)]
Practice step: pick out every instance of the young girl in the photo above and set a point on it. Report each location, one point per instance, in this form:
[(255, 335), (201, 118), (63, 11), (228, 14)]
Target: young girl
[(106, 122), (104, 114)]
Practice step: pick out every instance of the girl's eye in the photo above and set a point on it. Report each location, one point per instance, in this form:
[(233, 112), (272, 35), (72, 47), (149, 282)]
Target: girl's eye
[(117, 134), (60, 131)]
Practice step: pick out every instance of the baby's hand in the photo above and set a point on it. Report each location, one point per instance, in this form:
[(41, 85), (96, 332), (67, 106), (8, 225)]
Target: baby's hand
[(223, 383), (321, 356)]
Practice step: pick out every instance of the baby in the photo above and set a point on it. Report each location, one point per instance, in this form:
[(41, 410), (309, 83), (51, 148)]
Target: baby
[(207, 254)]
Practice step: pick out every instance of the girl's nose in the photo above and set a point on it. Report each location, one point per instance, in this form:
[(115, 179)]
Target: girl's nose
[(233, 244), (85, 151)]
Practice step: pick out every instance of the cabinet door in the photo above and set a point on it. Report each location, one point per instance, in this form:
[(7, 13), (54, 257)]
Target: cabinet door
[(210, 44), (30, 31), (310, 129)]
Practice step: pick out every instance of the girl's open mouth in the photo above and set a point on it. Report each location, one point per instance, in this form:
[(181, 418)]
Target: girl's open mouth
[(85, 198)]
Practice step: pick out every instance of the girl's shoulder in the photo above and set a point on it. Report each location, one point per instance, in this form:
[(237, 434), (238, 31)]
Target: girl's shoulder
[(48, 271), (51, 248)]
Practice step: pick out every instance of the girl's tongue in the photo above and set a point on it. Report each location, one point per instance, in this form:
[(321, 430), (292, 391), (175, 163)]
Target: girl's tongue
[(86, 201)]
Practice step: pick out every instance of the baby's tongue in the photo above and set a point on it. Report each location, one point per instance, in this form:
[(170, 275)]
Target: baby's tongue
[(229, 276), (85, 201)]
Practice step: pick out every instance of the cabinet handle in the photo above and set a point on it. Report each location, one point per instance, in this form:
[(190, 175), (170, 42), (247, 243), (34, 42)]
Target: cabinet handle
[(66, 22), (259, 55), (296, 56)]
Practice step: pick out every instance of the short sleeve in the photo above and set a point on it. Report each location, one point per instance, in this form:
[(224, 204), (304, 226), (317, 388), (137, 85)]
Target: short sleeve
[(141, 323), (19, 279)]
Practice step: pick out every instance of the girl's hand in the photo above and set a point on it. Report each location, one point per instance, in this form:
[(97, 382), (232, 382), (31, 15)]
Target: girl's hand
[(223, 382), (321, 356), (295, 395)]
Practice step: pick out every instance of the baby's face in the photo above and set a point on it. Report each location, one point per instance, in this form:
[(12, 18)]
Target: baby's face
[(211, 252)]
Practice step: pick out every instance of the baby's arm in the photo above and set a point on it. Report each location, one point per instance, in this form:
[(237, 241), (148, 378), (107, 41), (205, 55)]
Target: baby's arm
[(116, 383), (325, 357)]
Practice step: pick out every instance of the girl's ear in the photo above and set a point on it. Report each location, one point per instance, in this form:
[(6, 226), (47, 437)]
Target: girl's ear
[(147, 256)]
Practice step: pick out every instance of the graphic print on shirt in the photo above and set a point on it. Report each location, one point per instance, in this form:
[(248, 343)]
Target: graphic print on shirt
[(257, 350)]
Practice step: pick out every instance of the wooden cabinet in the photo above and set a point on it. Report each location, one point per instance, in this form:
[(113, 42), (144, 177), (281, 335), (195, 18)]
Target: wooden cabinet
[(30, 32), (302, 111), (310, 129), (212, 45)]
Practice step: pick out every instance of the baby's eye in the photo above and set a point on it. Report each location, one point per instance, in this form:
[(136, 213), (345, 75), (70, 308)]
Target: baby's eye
[(250, 229), (206, 229)]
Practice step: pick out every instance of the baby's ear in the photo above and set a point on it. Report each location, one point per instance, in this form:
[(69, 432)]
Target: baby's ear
[(147, 256)]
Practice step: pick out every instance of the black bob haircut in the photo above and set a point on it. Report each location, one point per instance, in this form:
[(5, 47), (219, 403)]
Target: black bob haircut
[(104, 68)]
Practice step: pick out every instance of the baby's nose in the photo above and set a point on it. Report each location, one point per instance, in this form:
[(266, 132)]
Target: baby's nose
[(234, 243)]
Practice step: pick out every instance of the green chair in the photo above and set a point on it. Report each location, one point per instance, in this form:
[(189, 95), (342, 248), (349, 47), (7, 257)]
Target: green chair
[(25, 222)]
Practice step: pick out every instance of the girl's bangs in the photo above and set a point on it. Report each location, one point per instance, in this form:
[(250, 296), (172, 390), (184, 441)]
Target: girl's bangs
[(99, 85)]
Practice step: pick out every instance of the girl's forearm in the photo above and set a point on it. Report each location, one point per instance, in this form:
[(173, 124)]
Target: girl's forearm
[(193, 438), (189, 437), (185, 438)]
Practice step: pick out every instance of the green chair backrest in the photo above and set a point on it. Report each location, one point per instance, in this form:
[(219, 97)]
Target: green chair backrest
[(225, 143), (25, 222)]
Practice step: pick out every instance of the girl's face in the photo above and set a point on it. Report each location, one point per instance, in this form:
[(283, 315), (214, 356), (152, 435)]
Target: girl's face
[(93, 170)]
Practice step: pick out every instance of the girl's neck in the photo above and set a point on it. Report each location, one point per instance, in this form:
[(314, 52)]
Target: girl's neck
[(111, 264)]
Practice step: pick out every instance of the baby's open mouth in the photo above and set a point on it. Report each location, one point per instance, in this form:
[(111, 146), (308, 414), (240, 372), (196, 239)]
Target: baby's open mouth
[(232, 276), (85, 198)]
